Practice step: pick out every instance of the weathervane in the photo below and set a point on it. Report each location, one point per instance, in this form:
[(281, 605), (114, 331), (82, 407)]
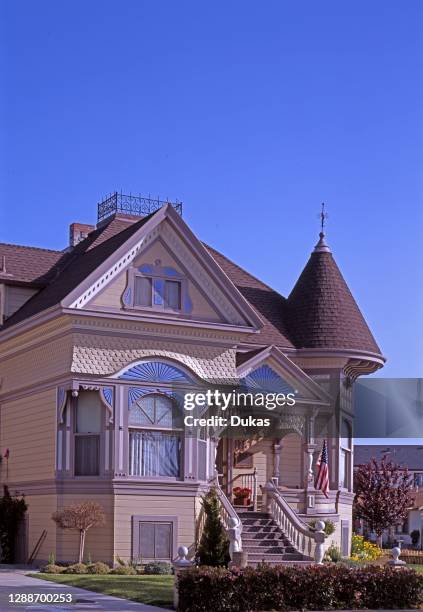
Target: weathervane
[(323, 216)]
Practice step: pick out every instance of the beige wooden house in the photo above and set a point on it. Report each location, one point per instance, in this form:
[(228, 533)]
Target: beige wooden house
[(97, 341)]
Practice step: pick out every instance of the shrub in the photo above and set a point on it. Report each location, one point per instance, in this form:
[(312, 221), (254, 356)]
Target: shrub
[(98, 568), (362, 550), (213, 549), (76, 568), (314, 587), (12, 512), (158, 567), (329, 526), (415, 536), (52, 568), (124, 570), (333, 554)]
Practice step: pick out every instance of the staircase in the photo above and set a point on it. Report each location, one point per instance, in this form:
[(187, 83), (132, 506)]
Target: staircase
[(264, 541)]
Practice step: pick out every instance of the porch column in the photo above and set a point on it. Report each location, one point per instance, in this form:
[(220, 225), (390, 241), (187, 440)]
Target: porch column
[(309, 447), (277, 451)]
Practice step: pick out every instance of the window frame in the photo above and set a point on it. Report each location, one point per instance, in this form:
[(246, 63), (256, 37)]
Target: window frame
[(75, 434), (346, 453), (155, 428), (156, 276), (152, 518)]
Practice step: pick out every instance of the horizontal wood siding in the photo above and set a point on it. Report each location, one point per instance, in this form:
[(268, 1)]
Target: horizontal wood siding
[(40, 509), (127, 506), (16, 297), (99, 540), (28, 430)]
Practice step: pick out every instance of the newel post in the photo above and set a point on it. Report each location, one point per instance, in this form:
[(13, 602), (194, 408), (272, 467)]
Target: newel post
[(319, 538), (180, 565), (238, 556)]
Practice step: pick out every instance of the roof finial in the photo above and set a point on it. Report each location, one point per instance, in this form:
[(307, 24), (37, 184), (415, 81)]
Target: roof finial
[(321, 246), (323, 216)]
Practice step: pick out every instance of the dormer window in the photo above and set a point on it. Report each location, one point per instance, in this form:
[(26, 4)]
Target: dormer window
[(149, 292), (156, 288)]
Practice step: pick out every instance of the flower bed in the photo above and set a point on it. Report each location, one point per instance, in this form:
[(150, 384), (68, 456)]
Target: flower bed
[(299, 588)]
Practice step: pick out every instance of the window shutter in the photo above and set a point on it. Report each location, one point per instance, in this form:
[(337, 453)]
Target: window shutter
[(146, 546), (155, 540), (163, 540), (143, 291), (173, 295)]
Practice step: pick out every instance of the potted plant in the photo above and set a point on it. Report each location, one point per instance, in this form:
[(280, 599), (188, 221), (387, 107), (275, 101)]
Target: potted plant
[(242, 496)]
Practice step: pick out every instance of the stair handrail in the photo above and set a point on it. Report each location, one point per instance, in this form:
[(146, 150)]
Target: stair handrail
[(306, 540), (230, 519)]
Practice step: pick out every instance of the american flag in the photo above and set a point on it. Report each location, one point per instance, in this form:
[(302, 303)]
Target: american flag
[(322, 478)]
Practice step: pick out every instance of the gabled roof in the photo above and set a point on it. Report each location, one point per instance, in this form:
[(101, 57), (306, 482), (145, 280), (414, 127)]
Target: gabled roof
[(270, 304), (319, 313), (24, 264), (85, 257), (322, 312)]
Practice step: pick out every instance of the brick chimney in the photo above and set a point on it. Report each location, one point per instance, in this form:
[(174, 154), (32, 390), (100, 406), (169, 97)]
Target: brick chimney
[(79, 231)]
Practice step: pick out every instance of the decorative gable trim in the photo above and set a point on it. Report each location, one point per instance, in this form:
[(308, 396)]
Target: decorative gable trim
[(290, 373), (210, 277)]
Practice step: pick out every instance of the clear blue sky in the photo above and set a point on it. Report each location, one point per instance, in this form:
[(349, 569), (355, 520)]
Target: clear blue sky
[(252, 113)]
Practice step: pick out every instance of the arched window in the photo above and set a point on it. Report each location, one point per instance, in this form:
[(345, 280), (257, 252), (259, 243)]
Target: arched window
[(154, 438)]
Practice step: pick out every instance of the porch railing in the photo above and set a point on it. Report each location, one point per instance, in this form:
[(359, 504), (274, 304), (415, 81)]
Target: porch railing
[(305, 540)]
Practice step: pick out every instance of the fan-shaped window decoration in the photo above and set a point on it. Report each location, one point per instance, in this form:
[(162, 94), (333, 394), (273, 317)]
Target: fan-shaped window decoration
[(265, 379), (154, 442), (155, 372)]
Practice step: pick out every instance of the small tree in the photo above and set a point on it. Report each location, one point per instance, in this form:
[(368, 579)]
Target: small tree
[(12, 511), (383, 495), (80, 517), (213, 549)]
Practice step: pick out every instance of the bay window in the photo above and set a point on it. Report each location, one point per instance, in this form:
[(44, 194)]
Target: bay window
[(87, 434), (155, 442)]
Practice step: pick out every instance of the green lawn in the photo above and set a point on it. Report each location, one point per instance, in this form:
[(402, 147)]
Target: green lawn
[(153, 590), (418, 568)]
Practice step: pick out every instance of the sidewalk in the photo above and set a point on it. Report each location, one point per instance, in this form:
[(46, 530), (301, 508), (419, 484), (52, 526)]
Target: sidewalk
[(15, 581)]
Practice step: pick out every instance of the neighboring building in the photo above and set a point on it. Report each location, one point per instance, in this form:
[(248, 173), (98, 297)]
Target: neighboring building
[(411, 458), (98, 339)]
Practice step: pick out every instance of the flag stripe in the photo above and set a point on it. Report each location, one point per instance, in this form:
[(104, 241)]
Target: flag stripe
[(322, 478)]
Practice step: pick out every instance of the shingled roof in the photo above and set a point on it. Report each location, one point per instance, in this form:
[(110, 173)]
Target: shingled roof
[(322, 312), (319, 313), (62, 278)]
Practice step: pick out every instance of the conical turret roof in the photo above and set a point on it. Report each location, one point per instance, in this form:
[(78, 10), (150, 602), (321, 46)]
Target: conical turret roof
[(322, 310)]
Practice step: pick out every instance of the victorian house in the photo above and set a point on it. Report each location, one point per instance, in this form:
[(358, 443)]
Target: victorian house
[(98, 341)]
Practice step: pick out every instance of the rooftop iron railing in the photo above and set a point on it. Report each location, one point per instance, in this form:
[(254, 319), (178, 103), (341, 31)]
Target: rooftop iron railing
[(138, 206)]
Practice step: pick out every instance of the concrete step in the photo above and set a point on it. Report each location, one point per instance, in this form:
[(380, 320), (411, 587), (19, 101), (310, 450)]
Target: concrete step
[(283, 562), (268, 548), (275, 557)]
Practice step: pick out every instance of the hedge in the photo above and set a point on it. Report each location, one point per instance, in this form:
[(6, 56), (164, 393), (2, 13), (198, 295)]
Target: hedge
[(313, 587)]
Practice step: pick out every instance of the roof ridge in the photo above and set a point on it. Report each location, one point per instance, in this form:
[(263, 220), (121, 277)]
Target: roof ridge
[(25, 246)]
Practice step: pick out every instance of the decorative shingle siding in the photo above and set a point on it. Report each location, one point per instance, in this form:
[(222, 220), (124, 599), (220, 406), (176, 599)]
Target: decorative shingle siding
[(106, 355)]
